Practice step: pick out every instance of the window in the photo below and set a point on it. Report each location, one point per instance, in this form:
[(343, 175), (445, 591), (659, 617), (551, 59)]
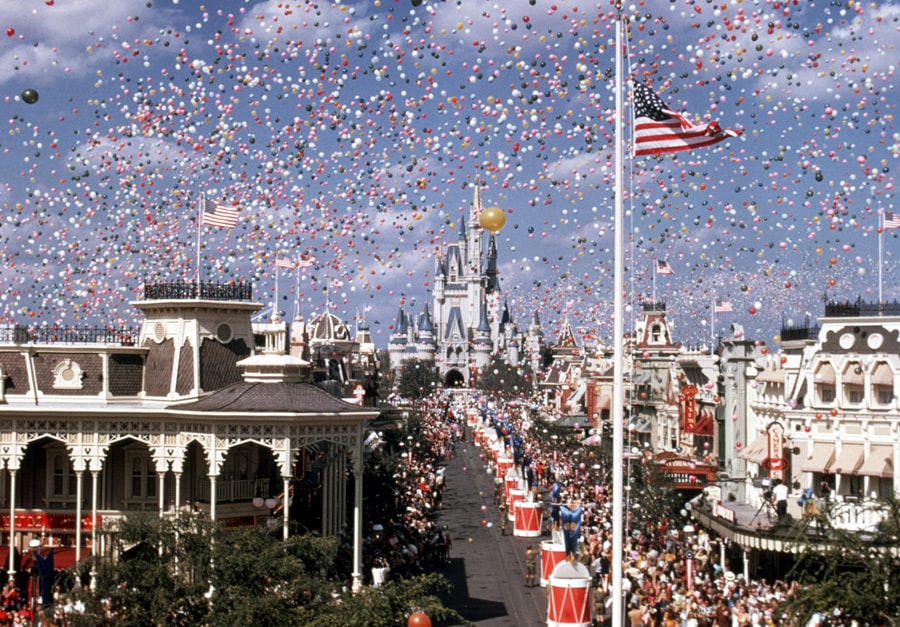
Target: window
[(826, 394), (885, 397), (142, 475), (61, 477)]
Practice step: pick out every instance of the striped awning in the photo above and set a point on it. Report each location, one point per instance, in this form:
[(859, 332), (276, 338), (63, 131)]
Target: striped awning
[(879, 462), (848, 460), (821, 458)]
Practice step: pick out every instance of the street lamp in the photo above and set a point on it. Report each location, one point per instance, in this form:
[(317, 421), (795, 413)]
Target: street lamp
[(35, 546)]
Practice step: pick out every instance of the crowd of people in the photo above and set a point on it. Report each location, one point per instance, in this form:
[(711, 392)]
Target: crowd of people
[(674, 575)]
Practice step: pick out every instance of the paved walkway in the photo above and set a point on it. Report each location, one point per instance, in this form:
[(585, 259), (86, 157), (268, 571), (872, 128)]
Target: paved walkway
[(487, 569)]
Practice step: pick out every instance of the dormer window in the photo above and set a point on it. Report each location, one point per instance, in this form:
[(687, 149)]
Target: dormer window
[(853, 380), (656, 334), (824, 382)]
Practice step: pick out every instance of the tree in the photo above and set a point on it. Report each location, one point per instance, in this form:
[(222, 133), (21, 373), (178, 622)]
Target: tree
[(854, 573), (417, 379), (504, 379)]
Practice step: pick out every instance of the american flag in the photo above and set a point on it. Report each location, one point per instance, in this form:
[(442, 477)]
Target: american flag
[(659, 130), (723, 306), (224, 216), (284, 263), (663, 267), (891, 220), (306, 262)]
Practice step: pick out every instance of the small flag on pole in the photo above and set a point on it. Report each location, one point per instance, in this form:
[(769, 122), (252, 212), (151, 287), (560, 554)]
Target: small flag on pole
[(663, 267), (285, 263), (306, 262), (659, 130), (723, 306), (223, 216), (891, 220)]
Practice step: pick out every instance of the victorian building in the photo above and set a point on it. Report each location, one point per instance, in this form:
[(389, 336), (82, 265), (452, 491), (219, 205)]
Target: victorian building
[(192, 411)]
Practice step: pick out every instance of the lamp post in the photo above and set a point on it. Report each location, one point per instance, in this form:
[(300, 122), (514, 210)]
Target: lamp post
[(35, 546)]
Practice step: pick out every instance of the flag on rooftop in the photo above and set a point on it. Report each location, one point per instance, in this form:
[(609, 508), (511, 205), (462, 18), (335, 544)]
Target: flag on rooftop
[(891, 220), (663, 267), (723, 306), (224, 216), (659, 130)]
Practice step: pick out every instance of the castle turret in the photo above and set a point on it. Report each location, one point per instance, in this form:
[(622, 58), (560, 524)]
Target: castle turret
[(426, 344), (482, 342)]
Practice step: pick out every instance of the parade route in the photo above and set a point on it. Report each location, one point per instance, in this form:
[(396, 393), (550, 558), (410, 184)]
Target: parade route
[(487, 569)]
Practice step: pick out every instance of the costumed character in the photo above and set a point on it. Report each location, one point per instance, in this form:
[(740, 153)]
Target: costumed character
[(571, 514), (555, 503)]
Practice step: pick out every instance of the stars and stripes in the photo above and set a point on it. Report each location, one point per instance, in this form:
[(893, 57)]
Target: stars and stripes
[(663, 267), (891, 220), (659, 130), (224, 216), (723, 306)]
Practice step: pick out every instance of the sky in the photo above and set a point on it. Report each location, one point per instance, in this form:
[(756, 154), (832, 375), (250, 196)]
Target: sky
[(351, 134)]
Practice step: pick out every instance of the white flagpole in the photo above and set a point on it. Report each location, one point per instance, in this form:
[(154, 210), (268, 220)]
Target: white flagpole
[(655, 272), (201, 207), (880, 244), (619, 345), (712, 333), (275, 304)]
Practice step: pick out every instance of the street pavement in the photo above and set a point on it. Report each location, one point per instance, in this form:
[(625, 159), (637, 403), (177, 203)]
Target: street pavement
[(487, 569)]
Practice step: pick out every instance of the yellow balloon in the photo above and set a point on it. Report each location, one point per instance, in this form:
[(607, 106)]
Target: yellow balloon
[(492, 219)]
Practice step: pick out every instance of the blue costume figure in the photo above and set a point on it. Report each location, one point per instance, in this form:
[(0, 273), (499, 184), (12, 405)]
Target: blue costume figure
[(555, 502), (571, 526)]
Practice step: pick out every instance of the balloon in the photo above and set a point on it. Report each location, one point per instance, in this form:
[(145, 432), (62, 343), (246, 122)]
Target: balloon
[(492, 219), (418, 619), (30, 96)]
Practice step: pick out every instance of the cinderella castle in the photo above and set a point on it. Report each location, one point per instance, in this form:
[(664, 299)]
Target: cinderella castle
[(467, 324)]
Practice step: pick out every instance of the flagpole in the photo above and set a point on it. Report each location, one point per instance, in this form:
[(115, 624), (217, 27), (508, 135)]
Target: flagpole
[(655, 271), (618, 334), (201, 206), (275, 304), (880, 244)]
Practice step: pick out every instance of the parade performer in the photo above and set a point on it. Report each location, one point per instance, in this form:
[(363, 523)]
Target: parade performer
[(570, 515), (555, 502)]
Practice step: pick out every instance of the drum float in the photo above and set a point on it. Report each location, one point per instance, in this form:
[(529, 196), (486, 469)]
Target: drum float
[(515, 495), (513, 482), (569, 598), (528, 519), (551, 555)]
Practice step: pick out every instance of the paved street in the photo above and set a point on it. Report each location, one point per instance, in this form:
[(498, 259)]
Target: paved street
[(487, 569)]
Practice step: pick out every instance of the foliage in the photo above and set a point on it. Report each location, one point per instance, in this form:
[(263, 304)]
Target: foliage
[(417, 379), (857, 574), (501, 378), (391, 604)]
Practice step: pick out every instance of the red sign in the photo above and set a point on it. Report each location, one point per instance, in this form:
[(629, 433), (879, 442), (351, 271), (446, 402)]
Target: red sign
[(776, 450), (49, 523), (689, 408)]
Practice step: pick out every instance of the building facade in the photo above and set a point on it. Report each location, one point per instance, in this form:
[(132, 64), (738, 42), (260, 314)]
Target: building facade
[(186, 413)]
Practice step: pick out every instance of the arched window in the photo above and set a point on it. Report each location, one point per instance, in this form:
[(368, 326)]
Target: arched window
[(882, 384), (824, 383), (852, 381)]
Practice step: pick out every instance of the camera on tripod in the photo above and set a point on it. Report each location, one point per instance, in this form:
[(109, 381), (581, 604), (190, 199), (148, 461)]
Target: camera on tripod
[(764, 484)]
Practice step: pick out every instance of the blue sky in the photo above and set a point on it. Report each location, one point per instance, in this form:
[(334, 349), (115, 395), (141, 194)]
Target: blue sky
[(352, 132)]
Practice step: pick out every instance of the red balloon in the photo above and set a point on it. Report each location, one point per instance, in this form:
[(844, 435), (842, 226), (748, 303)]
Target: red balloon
[(10, 31), (418, 619)]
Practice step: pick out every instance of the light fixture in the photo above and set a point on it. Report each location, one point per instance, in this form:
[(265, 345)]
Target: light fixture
[(258, 502), (271, 502)]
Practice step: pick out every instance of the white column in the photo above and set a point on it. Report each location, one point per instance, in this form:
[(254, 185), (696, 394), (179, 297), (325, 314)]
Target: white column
[(94, 481), (177, 491), (285, 508), (357, 523), (212, 497), (160, 490), (12, 522), (79, 491)]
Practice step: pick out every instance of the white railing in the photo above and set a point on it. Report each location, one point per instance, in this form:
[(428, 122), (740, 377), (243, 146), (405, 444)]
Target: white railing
[(864, 516)]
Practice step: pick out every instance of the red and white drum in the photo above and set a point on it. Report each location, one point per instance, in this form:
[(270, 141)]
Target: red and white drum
[(515, 495), (503, 466), (528, 519), (551, 555), (472, 417), (513, 482), (569, 603)]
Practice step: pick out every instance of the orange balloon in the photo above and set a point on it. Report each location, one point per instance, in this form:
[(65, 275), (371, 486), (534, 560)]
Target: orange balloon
[(492, 219), (418, 619)]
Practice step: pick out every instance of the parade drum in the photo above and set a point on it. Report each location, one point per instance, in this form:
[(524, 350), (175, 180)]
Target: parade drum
[(472, 417), (528, 519), (551, 555), (513, 481), (569, 598), (515, 495), (503, 465)]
